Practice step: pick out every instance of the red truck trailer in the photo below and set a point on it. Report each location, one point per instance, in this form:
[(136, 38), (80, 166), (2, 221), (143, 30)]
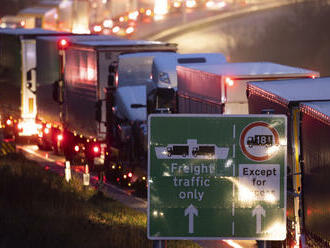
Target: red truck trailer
[(308, 156), (315, 136), (221, 88)]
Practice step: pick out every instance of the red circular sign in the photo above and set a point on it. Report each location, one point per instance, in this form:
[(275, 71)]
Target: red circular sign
[(257, 139)]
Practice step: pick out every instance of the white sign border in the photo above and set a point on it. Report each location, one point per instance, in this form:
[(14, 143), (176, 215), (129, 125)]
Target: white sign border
[(213, 116)]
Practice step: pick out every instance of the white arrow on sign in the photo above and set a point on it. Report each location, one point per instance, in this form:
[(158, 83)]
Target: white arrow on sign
[(191, 211), (258, 211)]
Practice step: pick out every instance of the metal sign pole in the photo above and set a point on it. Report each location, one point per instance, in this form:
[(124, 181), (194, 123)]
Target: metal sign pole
[(159, 244)]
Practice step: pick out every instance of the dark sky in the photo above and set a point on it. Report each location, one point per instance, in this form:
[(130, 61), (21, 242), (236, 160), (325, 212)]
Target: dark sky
[(11, 7)]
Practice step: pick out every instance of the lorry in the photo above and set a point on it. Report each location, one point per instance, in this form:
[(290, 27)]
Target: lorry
[(164, 68), (315, 118), (48, 72), (17, 88), (101, 94), (221, 88), (69, 16), (306, 104), (39, 17), (11, 21)]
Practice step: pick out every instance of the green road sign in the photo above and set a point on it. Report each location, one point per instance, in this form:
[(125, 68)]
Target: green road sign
[(217, 177)]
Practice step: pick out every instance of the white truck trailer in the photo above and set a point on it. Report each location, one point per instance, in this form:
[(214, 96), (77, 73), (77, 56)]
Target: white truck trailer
[(18, 83), (222, 88)]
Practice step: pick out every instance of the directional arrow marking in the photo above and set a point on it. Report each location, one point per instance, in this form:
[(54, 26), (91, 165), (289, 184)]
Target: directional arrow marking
[(191, 211), (258, 211)]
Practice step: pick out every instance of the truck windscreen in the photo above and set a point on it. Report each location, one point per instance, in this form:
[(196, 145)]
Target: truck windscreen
[(134, 70)]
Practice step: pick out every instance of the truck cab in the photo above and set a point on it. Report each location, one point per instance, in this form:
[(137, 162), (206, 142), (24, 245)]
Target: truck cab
[(134, 76)]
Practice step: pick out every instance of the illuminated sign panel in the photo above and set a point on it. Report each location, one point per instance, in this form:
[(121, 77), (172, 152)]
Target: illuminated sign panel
[(217, 177)]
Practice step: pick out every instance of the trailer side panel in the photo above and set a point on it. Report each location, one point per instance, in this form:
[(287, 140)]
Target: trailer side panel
[(81, 91), (10, 71), (316, 153), (198, 92)]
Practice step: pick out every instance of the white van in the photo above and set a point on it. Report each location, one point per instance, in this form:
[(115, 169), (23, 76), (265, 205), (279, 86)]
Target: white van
[(164, 67)]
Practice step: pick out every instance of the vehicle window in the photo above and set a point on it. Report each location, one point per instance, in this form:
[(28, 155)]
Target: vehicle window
[(191, 60), (134, 70)]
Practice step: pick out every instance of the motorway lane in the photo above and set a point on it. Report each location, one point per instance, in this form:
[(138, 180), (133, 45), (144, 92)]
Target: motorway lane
[(291, 35), (223, 36), (147, 29), (153, 29)]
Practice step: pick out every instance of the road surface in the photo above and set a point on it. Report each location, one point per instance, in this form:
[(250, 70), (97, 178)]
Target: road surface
[(291, 35)]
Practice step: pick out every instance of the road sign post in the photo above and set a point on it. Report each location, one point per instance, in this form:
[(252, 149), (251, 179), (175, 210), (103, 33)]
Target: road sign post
[(217, 177)]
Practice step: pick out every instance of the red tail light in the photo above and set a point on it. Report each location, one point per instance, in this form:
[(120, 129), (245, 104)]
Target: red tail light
[(63, 44), (60, 137), (76, 148), (130, 174), (96, 149), (9, 122)]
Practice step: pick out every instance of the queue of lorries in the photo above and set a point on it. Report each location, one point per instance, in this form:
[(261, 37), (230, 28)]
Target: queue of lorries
[(103, 17), (89, 96)]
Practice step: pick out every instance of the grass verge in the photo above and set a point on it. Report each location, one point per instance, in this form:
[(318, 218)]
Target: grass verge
[(39, 208)]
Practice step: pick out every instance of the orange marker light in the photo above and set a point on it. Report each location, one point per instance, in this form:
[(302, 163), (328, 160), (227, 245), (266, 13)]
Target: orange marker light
[(148, 12)]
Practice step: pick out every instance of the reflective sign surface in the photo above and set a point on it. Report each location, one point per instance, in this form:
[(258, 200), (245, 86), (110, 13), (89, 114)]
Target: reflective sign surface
[(214, 177)]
